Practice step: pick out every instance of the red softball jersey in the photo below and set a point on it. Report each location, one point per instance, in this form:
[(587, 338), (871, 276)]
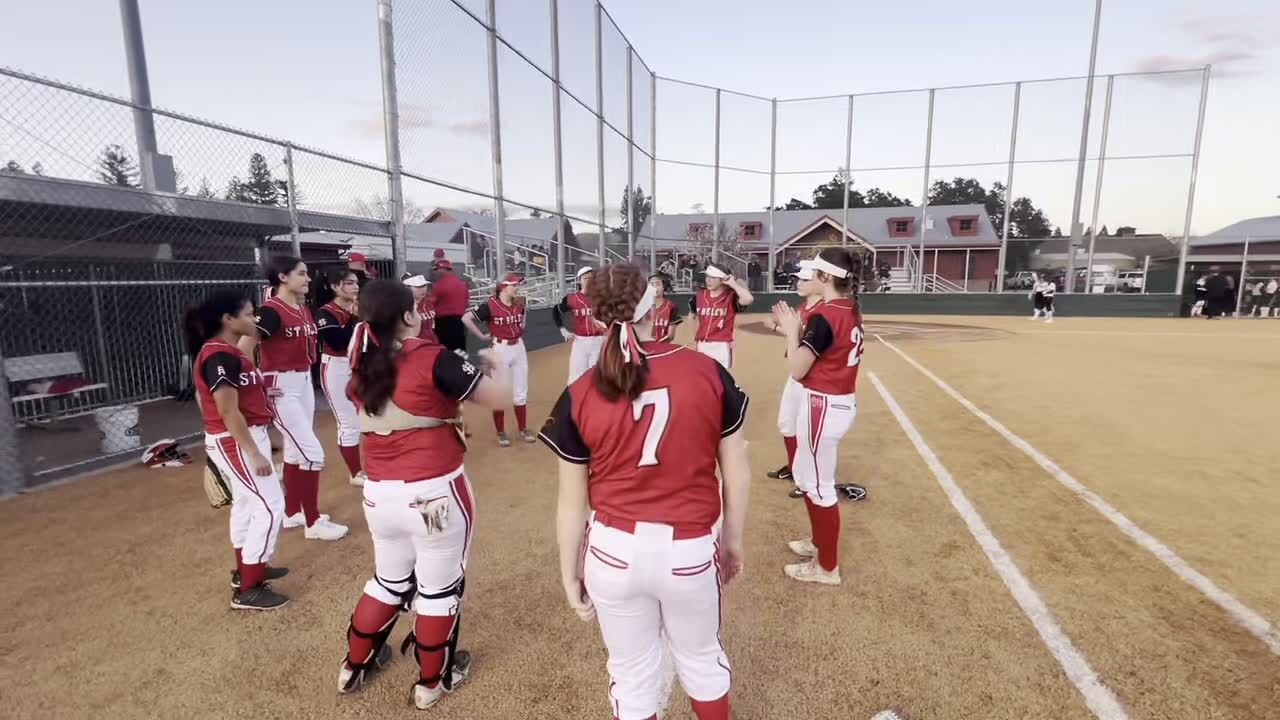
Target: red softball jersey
[(430, 382), (578, 307), (506, 322), (665, 317), (805, 310), (716, 315), (334, 326), (221, 364), (427, 309), (652, 459), (288, 337), (834, 334)]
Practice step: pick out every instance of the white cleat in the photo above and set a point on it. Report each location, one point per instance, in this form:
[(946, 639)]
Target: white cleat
[(298, 520), (351, 679), (325, 529), (804, 548), (424, 697), (812, 572), (359, 479)]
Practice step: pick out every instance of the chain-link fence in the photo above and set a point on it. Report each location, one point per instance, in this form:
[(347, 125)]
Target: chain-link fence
[(533, 137)]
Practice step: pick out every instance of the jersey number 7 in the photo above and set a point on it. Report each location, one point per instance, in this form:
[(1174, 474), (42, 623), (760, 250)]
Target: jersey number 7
[(660, 399)]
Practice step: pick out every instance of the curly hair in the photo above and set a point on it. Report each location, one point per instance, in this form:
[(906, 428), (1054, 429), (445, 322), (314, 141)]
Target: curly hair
[(614, 294)]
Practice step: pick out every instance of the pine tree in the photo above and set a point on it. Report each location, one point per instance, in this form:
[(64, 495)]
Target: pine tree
[(261, 188), (115, 167)]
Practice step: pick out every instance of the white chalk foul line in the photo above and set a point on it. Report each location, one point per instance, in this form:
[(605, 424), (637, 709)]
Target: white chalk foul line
[(1250, 620), (1101, 701)]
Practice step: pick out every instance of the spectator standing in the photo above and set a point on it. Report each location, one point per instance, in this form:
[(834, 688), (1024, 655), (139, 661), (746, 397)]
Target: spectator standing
[(1219, 295), (356, 263), (1273, 287), (755, 276), (1255, 291), (450, 296)]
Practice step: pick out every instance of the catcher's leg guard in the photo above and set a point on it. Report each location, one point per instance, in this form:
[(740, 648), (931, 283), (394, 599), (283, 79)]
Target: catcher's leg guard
[(366, 646), (435, 637)]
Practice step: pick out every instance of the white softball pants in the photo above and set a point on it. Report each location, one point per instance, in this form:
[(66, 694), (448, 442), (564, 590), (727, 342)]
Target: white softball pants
[(335, 373), (515, 357), (257, 502), (583, 354), (821, 420), (294, 414), (647, 588), (721, 351), (789, 407), (403, 548)]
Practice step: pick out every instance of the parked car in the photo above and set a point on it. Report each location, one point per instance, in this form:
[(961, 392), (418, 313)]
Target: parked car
[(1131, 281), (1022, 280)]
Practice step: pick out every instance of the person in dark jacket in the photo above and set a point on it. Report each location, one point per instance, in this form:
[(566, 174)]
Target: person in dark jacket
[(450, 296)]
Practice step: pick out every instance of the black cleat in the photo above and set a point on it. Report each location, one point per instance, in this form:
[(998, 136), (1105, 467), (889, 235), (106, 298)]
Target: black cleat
[(270, 573), (782, 473), (258, 597), (796, 493)]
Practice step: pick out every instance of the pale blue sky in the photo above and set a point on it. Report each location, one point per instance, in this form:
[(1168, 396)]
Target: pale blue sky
[(307, 70)]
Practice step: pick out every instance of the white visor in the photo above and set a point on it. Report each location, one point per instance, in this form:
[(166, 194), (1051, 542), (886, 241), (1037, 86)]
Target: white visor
[(828, 268), (584, 270), (715, 272), (415, 281), (805, 272), (644, 306)]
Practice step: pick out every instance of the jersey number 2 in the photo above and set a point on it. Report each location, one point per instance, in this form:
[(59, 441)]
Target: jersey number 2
[(660, 399), (855, 355)]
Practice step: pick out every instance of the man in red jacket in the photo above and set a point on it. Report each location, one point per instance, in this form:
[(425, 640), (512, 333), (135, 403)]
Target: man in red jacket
[(450, 296)]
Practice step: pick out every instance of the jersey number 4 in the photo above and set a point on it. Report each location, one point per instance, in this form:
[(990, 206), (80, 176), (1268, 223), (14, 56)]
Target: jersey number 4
[(855, 355), (660, 399)]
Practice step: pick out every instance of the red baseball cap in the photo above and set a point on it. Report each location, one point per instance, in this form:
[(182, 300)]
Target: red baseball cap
[(355, 257), (511, 279), (438, 254), (442, 264)]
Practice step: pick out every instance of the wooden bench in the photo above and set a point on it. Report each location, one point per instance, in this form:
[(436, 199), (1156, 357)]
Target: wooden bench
[(29, 407)]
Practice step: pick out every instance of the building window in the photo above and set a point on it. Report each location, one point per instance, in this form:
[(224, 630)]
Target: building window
[(963, 225), (749, 231), (966, 225), (901, 226)]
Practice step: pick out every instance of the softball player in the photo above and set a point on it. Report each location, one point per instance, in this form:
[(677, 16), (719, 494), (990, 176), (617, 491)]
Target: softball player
[(639, 440), (586, 334), (792, 393), (1047, 290), (1036, 296), (286, 342), (665, 313), (422, 302), (232, 397), (418, 500), (716, 308), (504, 315), (335, 321), (823, 355)]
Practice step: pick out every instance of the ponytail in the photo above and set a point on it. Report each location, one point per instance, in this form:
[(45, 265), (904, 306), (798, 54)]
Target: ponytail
[(846, 260), (383, 304), (621, 370), (203, 321)]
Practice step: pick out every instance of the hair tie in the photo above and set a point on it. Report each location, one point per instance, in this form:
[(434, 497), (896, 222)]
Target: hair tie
[(628, 343), (360, 342)]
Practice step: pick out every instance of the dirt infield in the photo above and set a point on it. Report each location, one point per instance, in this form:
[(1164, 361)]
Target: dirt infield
[(117, 598)]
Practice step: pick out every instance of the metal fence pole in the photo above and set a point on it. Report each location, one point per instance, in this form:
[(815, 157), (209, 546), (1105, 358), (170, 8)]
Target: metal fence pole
[(1146, 273), (1076, 230), (653, 174), (631, 166), (558, 147), (144, 126), (98, 328), (848, 172), (1191, 184), (924, 195), (600, 127), (12, 474), (391, 135), (495, 144), (1008, 188), (1097, 184), (1244, 266), (292, 200), (715, 194), (773, 187)]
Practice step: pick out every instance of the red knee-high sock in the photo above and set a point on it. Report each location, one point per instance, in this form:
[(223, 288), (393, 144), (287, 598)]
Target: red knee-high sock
[(521, 415), (251, 574), (239, 562), (813, 520), (292, 500), (500, 420), (714, 710), (826, 535), (790, 442), (370, 617), (351, 456), (309, 492), (432, 631)]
